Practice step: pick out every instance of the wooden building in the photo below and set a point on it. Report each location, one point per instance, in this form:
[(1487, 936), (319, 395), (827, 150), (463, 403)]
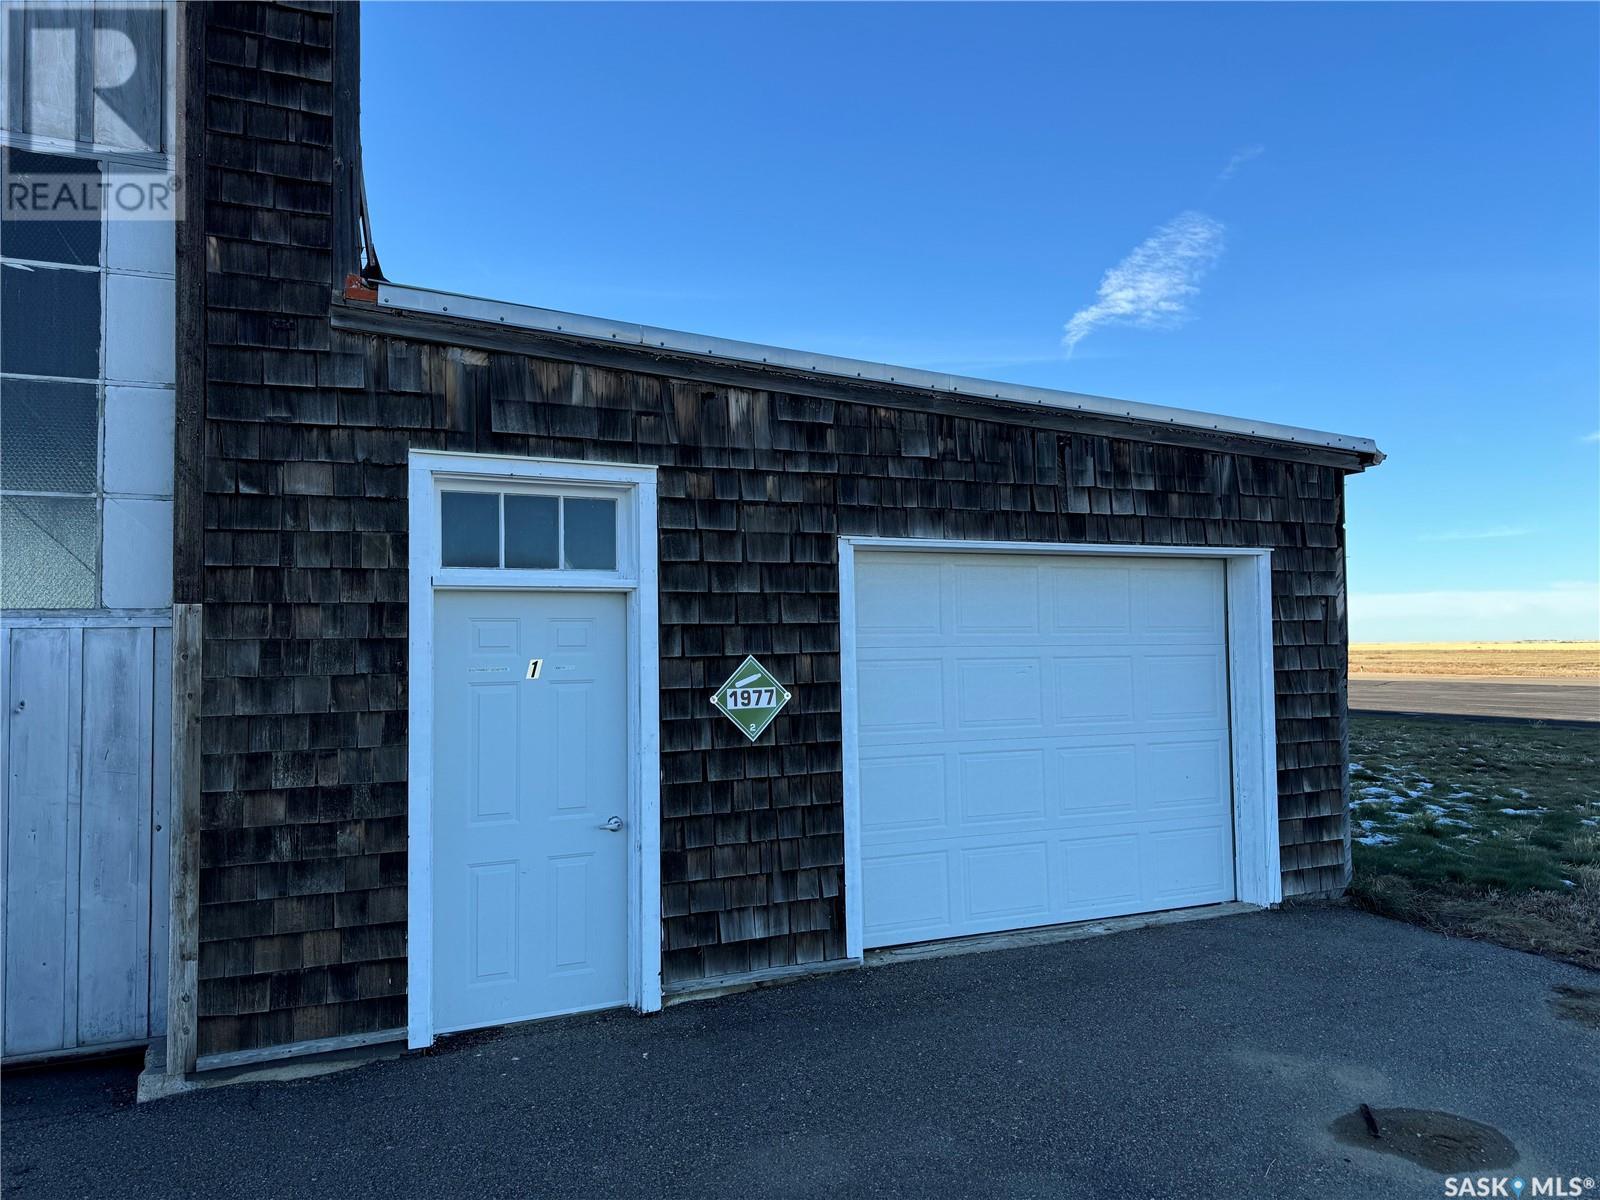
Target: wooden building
[(457, 583)]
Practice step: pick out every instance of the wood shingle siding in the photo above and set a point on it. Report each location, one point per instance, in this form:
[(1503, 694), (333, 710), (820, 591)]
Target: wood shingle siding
[(304, 583)]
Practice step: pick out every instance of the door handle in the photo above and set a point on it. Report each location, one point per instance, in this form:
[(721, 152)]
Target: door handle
[(614, 825)]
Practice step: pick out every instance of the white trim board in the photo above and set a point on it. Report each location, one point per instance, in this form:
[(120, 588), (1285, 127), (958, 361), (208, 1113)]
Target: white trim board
[(427, 471), (1252, 710)]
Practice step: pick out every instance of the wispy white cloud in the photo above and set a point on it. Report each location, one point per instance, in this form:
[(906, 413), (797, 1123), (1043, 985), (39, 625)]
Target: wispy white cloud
[(1151, 287), (1592, 437), (1240, 156), (1477, 535), (1568, 610)]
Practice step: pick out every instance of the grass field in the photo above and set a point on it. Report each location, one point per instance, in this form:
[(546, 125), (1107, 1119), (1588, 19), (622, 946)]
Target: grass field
[(1484, 830), (1524, 660)]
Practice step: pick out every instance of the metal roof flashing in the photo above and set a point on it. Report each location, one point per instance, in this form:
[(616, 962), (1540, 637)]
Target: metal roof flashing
[(546, 320)]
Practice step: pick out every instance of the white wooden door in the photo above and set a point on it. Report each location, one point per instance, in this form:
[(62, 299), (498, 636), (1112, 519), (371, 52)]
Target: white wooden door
[(530, 806), (1041, 739)]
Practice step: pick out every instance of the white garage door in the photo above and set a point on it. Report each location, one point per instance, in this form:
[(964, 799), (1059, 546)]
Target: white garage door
[(1040, 739)]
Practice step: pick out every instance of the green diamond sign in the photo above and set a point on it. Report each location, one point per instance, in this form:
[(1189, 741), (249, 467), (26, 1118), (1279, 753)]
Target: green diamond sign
[(751, 698)]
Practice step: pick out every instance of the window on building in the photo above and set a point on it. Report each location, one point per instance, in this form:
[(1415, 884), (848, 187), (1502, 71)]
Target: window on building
[(51, 392), (528, 531)]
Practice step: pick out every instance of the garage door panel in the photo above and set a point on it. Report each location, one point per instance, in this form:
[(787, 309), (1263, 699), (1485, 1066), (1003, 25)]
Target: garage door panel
[(901, 696), (1096, 783), (981, 884), (994, 599), (999, 693), (1093, 690), (1179, 777), (1179, 600), (1011, 881), (1092, 602), (1189, 865), (1058, 752), (1178, 686), (1001, 785), (1100, 873), (905, 895), (908, 793), (900, 600)]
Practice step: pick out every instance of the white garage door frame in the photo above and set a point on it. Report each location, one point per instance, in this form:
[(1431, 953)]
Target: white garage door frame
[(1252, 710), (429, 473)]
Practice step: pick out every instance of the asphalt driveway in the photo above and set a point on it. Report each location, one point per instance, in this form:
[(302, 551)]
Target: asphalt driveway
[(1202, 1059)]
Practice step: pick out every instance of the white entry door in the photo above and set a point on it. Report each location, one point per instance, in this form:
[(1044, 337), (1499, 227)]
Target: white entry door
[(530, 805), (1041, 738)]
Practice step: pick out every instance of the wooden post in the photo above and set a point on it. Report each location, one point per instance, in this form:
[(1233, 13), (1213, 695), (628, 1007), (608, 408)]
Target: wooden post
[(188, 530), (183, 979)]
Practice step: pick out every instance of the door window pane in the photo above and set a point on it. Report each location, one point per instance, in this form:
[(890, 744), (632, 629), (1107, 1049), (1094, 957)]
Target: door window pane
[(50, 322), (589, 534), (49, 436), (50, 552), (470, 529), (531, 533), (42, 176)]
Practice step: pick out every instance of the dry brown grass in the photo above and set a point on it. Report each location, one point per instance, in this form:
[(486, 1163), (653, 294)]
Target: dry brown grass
[(1558, 924), (1520, 660)]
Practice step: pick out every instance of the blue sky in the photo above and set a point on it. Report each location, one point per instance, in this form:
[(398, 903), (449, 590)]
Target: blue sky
[(1379, 220)]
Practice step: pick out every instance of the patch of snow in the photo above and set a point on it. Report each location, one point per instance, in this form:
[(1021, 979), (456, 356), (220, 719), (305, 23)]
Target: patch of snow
[(1524, 812), (1459, 796), (1519, 793), (1377, 839), (1454, 821)]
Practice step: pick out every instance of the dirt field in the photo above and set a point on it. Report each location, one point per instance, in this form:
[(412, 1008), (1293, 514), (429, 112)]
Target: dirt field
[(1518, 660)]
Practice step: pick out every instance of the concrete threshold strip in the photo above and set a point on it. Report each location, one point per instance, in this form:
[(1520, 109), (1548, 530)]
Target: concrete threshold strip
[(289, 1062)]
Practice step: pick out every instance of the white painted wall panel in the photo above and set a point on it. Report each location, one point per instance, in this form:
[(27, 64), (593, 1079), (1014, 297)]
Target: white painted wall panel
[(139, 440), (40, 848), (138, 329), (136, 557), (140, 245), (114, 843)]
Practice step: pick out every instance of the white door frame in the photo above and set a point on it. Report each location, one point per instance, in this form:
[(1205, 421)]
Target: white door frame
[(1252, 712), (430, 472)]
